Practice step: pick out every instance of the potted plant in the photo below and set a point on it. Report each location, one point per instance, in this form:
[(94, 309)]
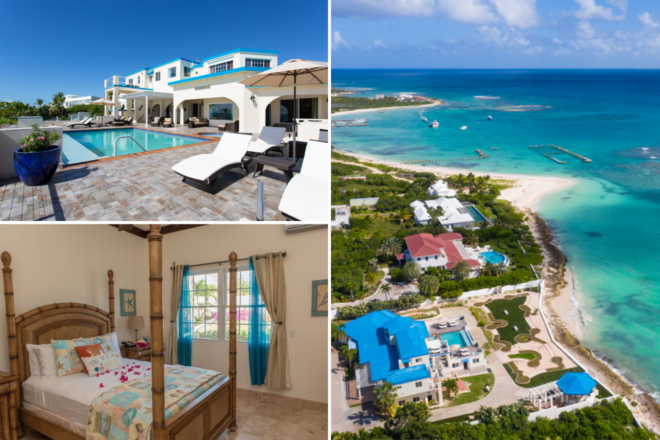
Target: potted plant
[(37, 160)]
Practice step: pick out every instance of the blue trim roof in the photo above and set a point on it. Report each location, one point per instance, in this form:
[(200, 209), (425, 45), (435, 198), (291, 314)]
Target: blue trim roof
[(141, 70), (576, 384), (269, 52), (225, 72), (372, 333), (406, 375), (129, 87)]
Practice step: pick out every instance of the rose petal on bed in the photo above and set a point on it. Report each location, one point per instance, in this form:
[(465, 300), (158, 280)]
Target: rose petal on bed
[(101, 386), (97, 374), (116, 373)]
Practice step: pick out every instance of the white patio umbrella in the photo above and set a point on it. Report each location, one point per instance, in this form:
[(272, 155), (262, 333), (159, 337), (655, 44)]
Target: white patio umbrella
[(102, 101), (292, 73)]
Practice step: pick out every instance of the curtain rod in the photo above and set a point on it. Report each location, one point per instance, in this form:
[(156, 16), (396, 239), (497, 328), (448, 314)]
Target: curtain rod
[(222, 262)]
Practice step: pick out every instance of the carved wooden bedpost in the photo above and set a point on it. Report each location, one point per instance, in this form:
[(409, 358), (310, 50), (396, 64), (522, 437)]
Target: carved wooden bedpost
[(111, 297), (15, 397), (232, 336), (155, 239)]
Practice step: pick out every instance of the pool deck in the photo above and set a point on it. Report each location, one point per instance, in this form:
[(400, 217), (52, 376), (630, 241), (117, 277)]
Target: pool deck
[(142, 187)]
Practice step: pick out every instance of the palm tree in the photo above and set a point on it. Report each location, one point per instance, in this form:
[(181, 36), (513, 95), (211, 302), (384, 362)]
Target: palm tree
[(385, 396), (488, 348), (429, 284), (488, 269), (58, 98), (443, 275), (373, 262), (39, 102), (411, 270), (391, 246), (337, 330), (461, 270), (386, 288), (471, 238), (500, 269), (451, 386), (435, 214)]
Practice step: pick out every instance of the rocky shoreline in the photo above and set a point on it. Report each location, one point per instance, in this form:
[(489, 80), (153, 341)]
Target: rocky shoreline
[(554, 275)]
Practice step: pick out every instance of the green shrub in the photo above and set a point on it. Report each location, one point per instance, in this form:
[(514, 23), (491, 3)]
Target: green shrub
[(405, 302), (397, 275)]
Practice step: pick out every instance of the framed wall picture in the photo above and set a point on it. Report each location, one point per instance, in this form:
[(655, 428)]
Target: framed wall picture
[(128, 302), (320, 301)]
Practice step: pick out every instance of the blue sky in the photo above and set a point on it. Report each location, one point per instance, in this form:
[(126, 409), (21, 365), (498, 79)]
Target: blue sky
[(496, 34), (50, 46)]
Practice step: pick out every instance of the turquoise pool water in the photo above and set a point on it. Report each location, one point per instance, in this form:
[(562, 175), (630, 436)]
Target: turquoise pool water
[(83, 146), (476, 215), (494, 257), (458, 337)]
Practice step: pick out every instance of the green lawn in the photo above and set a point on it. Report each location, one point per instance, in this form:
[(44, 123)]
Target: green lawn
[(543, 378), (515, 317), (457, 419), (602, 392), (361, 404), (528, 356), (477, 385)]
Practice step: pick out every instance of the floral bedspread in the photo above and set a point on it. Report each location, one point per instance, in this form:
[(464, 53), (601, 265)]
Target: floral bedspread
[(124, 412)]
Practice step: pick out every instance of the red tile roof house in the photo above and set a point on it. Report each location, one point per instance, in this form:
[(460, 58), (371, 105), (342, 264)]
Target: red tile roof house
[(442, 251)]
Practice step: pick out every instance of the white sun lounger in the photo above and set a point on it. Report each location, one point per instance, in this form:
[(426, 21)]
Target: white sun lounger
[(442, 325), (85, 121), (206, 168), (270, 138), (453, 324), (305, 198)]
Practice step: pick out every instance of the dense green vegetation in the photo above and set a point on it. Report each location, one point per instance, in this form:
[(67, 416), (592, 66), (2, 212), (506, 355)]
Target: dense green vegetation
[(604, 421), (9, 111), (343, 103), (392, 219), (405, 302)]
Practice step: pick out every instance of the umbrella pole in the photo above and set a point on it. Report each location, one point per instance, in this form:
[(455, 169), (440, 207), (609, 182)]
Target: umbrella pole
[(295, 115)]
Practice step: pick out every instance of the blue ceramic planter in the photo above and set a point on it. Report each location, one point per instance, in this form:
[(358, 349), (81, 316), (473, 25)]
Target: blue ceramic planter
[(36, 168)]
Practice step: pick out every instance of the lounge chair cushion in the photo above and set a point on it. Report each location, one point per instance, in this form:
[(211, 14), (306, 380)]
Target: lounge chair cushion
[(270, 137), (230, 150)]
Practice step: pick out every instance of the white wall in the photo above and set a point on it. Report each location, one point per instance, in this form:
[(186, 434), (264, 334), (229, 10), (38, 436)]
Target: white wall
[(62, 263), (306, 261)]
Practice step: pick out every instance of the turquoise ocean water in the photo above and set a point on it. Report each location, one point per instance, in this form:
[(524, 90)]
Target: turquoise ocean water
[(608, 225)]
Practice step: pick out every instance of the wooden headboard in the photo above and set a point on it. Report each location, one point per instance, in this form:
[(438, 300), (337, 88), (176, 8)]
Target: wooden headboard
[(54, 321)]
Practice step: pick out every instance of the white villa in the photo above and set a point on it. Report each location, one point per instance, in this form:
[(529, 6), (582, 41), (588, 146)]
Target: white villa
[(414, 356), (210, 89), (455, 214), (71, 100), (440, 189)]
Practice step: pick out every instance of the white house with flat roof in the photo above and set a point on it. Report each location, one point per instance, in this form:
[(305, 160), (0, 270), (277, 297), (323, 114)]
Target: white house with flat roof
[(210, 89), (455, 215), (71, 100)]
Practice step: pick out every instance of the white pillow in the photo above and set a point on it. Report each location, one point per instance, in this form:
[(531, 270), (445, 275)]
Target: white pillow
[(46, 356), (35, 369), (116, 344)]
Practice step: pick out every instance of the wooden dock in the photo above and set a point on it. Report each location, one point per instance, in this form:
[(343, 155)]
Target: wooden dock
[(554, 149)]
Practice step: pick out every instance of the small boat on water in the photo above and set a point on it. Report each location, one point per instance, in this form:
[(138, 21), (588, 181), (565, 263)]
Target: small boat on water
[(434, 124), (425, 119), (464, 127), (490, 118)]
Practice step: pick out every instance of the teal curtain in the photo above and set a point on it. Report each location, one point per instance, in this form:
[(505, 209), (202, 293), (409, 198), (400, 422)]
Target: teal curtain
[(186, 321), (259, 332)]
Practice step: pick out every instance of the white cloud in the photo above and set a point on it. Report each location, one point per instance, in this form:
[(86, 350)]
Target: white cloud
[(507, 37), (378, 42), (377, 8), (647, 20), (589, 9), (467, 11), (585, 30), (520, 13), (556, 40), (338, 42)]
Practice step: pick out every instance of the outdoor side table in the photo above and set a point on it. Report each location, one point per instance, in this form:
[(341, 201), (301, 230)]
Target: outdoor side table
[(283, 164)]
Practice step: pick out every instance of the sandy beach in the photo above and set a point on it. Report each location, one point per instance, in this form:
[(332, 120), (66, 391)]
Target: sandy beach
[(364, 110), (559, 303)]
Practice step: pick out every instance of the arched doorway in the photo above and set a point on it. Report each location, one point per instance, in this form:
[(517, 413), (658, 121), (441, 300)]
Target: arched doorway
[(156, 111), (168, 113)]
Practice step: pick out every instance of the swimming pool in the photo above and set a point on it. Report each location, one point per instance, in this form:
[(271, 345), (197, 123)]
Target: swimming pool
[(453, 338), (476, 215), (83, 146), (495, 257)]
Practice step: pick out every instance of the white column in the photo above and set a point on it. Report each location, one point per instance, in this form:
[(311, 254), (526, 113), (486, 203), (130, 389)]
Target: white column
[(181, 116), (146, 119)]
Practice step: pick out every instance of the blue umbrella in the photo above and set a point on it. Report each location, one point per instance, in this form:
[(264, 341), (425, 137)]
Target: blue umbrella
[(576, 384)]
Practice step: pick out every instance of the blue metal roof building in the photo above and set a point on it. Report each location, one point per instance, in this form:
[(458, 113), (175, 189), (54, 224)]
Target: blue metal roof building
[(373, 332)]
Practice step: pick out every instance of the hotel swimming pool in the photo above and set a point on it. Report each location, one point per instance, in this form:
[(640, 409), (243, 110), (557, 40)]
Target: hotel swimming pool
[(495, 257), (84, 146), (460, 337), (476, 215)]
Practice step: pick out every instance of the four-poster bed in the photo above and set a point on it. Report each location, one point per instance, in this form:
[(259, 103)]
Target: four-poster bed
[(205, 418)]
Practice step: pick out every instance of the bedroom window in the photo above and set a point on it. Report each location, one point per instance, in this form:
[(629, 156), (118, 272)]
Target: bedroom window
[(243, 306), (205, 306)]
